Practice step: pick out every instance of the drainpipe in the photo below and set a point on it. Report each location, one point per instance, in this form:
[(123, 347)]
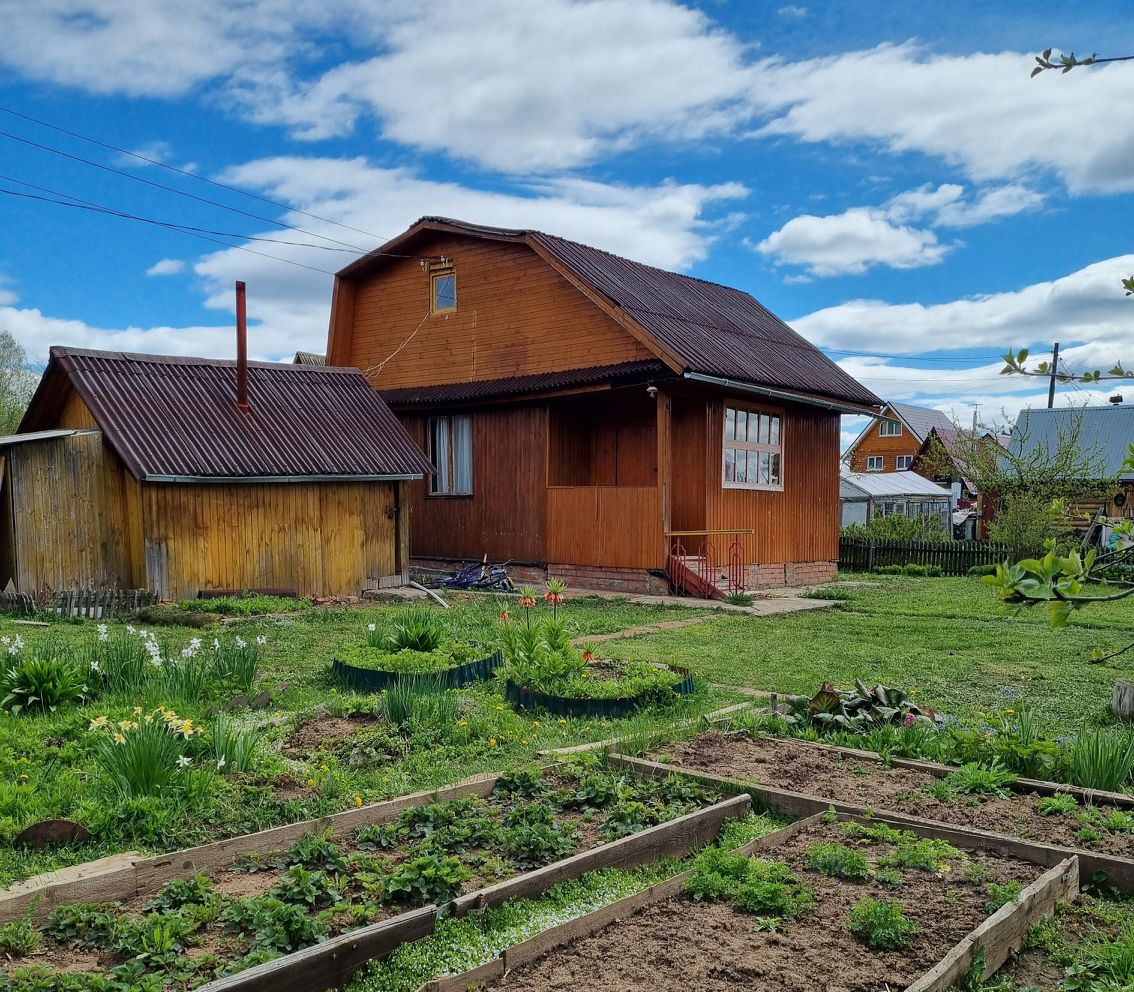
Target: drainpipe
[(241, 348)]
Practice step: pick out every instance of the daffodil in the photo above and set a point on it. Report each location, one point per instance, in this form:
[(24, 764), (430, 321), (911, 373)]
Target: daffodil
[(184, 761), (98, 723), (119, 739)]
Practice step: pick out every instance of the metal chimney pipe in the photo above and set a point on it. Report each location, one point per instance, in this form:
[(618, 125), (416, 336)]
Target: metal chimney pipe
[(241, 347)]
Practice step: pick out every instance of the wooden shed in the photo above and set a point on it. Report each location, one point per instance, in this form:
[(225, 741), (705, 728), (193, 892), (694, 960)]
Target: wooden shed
[(144, 471)]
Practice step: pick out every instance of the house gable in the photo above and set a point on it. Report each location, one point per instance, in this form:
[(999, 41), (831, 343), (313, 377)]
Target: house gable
[(516, 315)]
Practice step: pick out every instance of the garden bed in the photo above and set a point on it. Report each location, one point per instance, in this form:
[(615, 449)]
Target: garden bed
[(784, 922), (234, 905), (375, 679), (608, 707)]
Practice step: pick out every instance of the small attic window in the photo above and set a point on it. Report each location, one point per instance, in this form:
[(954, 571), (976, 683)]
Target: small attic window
[(443, 284)]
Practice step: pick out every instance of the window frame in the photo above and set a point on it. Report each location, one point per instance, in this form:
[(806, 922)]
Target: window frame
[(435, 275), (757, 447), (899, 467), (881, 467), (450, 456), (886, 422)]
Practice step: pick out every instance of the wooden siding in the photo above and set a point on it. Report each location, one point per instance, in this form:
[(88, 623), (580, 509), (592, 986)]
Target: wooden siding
[(688, 482), (66, 516), (799, 524), (75, 413), (515, 315), (318, 538), (888, 447), (504, 516), (618, 527), (603, 440)]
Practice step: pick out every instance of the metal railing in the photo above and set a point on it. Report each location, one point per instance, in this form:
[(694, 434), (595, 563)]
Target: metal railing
[(705, 564)]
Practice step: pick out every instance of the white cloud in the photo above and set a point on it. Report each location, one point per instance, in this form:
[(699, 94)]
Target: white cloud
[(793, 12), (166, 267), (979, 112), (864, 237), (7, 296)]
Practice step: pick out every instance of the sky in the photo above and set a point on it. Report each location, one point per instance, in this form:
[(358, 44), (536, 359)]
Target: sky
[(885, 177)]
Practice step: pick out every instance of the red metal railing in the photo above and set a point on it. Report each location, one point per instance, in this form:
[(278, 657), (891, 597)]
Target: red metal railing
[(705, 564)]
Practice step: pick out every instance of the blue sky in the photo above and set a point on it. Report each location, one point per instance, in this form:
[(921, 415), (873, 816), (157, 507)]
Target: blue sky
[(884, 176)]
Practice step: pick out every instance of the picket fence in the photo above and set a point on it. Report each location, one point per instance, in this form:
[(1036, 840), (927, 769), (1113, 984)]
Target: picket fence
[(861, 554), (91, 603)]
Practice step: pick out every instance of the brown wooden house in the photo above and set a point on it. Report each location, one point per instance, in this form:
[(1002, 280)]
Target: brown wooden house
[(143, 471), (587, 414), (892, 442)]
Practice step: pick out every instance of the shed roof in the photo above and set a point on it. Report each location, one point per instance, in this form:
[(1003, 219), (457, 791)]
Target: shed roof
[(1104, 431), (176, 419), (695, 326), (873, 485)]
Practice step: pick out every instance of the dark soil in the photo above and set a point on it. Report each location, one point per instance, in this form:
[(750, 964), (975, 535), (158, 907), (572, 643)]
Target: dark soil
[(799, 767), (323, 730), (684, 946)]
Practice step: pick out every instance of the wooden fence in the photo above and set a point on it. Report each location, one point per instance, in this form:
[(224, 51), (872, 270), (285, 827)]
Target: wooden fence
[(91, 603), (861, 554)]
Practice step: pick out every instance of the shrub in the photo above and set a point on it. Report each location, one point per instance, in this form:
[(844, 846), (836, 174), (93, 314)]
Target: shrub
[(1101, 760), (838, 861), (898, 528), (234, 747), (882, 925), (754, 885), (919, 571), (40, 685)]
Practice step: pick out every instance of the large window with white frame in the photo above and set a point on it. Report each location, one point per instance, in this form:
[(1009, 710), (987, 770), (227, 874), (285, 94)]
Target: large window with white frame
[(875, 463), (890, 428), (450, 450), (904, 462), (753, 449)]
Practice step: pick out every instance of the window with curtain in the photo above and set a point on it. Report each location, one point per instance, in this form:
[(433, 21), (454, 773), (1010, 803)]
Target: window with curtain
[(450, 450), (753, 449)]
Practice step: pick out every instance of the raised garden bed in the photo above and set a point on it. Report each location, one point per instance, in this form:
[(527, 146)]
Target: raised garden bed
[(604, 702), (1100, 826), (362, 669), (785, 921), (359, 893)]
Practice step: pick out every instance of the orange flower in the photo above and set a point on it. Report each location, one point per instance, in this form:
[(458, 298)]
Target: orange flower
[(527, 602), (553, 597), (503, 618), (588, 656)]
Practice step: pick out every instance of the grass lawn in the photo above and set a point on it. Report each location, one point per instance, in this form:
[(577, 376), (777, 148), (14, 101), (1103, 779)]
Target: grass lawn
[(949, 639)]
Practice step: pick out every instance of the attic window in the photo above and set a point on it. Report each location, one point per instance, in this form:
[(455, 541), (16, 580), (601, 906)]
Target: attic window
[(890, 428), (443, 283)]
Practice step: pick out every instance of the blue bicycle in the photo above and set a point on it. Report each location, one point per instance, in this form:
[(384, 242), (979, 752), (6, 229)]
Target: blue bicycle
[(479, 575)]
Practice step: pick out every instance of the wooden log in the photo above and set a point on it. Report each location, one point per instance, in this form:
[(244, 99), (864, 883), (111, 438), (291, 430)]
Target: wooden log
[(676, 837), (1118, 871), (1122, 702), (1003, 933), (331, 963)]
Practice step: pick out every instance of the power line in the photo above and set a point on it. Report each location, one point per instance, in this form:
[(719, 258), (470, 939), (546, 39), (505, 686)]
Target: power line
[(914, 358), (91, 205), (179, 192)]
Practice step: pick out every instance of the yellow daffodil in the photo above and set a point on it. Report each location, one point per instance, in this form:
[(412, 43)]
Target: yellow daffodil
[(562, 722), (137, 711), (119, 739), (98, 722)]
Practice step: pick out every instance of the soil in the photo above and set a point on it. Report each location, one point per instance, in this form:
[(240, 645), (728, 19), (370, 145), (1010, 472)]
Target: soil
[(685, 946), (63, 959), (799, 767), (288, 787), (323, 730)]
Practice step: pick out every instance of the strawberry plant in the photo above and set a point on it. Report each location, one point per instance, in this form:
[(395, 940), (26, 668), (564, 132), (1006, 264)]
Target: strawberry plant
[(277, 925), (427, 878), (180, 892), (316, 851), (530, 845), (755, 885), (88, 925), (316, 889)]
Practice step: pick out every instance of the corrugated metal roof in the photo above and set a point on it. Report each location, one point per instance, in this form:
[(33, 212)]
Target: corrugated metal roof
[(9, 439), (921, 419), (706, 327), (1105, 433), (856, 485), (176, 418), (453, 392), (309, 358)]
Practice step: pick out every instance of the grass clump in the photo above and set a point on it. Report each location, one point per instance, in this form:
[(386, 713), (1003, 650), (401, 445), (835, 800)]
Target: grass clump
[(882, 925), (247, 605), (755, 885), (20, 937), (838, 861)]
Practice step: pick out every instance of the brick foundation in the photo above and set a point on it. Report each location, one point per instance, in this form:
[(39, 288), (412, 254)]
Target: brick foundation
[(792, 573)]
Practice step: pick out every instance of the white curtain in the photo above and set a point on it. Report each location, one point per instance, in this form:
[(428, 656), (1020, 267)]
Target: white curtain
[(462, 454), (440, 454)]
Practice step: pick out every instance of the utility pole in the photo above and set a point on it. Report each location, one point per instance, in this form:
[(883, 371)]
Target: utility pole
[(1054, 368)]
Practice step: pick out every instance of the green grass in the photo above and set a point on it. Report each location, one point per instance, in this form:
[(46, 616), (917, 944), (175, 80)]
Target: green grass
[(947, 639)]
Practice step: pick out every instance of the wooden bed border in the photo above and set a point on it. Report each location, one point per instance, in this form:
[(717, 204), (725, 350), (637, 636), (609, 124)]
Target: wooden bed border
[(998, 936), (1119, 871)]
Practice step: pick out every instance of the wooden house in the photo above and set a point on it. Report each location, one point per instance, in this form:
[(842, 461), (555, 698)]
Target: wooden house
[(143, 471), (891, 443), (594, 417)]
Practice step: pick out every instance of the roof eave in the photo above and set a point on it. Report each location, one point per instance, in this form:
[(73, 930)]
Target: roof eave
[(288, 479), (809, 399)]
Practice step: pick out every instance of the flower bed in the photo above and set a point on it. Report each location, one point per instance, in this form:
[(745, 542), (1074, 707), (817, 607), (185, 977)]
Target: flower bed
[(851, 904), (974, 796), (270, 903), (607, 689), (372, 669)]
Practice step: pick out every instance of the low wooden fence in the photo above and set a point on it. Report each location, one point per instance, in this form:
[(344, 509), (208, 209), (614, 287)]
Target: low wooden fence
[(861, 554), (92, 603)]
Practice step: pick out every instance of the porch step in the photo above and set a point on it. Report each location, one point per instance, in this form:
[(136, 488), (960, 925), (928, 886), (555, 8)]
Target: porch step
[(684, 574)]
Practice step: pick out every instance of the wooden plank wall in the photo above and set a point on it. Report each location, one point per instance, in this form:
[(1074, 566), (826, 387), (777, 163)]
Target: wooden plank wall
[(799, 524), (68, 515), (318, 538), (604, 439), (888, 447), (690, 439), (602, 525), (504, 516), (515, 315)]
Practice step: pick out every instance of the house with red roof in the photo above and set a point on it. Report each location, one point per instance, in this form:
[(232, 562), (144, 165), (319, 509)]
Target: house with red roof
[(596, 418)]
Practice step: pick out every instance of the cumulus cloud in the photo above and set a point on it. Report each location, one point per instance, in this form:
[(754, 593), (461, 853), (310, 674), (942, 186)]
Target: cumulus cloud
[(166, 267), (864, 237), (8, 296)]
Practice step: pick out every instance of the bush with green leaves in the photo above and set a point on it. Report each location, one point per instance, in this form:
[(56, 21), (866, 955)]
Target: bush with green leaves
[(31, 684), (882, 925), (755, 885), (838, 861), (893, 527)]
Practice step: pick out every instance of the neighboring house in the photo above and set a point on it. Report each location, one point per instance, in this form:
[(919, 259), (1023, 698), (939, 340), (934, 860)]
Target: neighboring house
[(143, 471), (890, 443), (581, 408), (1104, 434), (866, 495), (943, 458)]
